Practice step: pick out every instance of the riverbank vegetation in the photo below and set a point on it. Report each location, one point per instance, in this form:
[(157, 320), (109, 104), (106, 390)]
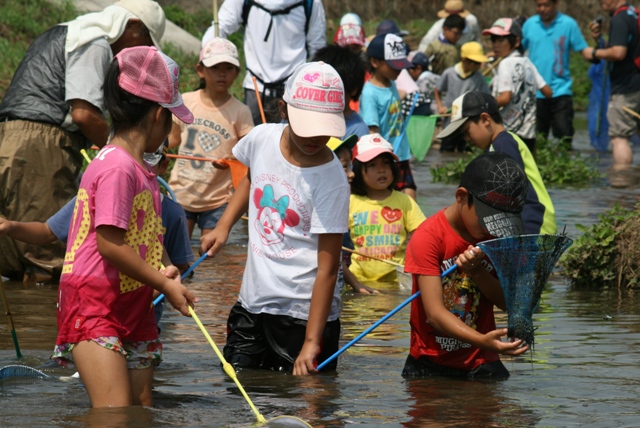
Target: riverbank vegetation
[(607, 254), (558, 166)]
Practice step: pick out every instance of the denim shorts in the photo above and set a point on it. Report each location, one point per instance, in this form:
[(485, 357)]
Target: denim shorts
[(206, 219)]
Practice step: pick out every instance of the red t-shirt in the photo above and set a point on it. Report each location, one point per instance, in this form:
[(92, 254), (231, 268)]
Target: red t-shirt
[(95, 299), (433, 248)]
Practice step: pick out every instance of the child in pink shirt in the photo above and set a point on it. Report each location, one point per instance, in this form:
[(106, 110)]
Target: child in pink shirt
[(115, 249)]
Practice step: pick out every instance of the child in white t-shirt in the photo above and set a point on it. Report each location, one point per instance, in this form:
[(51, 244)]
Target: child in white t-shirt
[(297, 197), (516, 81), (202, 188)]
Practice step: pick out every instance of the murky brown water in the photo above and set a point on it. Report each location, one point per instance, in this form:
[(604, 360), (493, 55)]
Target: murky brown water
[(584, 371)]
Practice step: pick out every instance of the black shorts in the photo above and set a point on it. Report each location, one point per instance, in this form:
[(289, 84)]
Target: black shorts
[(424, 367), (405, 181), (273, 342)]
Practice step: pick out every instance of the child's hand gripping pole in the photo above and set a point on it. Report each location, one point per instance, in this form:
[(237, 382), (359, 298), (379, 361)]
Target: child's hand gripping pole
[(383, 319), (184, 275)]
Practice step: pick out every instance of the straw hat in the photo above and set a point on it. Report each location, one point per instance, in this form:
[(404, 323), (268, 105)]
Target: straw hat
[(453, 7)]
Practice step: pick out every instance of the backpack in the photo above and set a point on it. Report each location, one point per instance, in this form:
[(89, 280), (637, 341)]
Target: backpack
[(248, 4), (634, 11)]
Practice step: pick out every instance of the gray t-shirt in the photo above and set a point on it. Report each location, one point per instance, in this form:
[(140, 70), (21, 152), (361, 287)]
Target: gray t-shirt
[(86, 70), (453, 85)]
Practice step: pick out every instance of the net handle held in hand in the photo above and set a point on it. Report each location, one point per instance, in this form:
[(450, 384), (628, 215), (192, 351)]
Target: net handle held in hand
[(383, 319)]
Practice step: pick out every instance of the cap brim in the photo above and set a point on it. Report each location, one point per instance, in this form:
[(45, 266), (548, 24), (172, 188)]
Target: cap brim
[(372, 153), (182, 113), (452, 128), (499, 224), (179, 110), (349, 142), (478, 58), (496, 31), (399, 64), (306, 123), (210, 62)]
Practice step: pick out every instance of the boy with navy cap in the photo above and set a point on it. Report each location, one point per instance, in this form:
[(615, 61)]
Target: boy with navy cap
[(477, 116), (380, 106), (453, 329)]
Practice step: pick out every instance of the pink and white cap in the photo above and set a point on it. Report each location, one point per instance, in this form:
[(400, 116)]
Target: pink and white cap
[(149, 74), (503, 27), (218, 50), (371, 145), (315, 101)]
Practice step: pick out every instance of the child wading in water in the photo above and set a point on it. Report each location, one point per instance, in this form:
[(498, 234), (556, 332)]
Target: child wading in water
[(220, 121), (297, 195), (114, 250), (380, 217)]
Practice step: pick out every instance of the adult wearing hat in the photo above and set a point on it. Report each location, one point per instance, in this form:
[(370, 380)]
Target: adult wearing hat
[(53, 108), (471, 31)]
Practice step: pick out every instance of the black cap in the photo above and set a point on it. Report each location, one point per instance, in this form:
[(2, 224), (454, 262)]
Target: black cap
[(420, 59), (389, 26), (468, 105), (499, 187)]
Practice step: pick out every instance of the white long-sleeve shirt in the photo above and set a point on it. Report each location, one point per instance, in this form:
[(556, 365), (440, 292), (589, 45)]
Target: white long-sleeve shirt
[(285, 47)]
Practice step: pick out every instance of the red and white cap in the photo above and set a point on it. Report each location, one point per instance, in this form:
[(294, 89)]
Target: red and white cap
[(371, 145), (315, 101), (218, 50), (349, 34), (149, 74)]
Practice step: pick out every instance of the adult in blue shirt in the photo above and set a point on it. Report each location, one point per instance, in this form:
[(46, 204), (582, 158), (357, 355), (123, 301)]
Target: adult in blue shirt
[(549, 37)]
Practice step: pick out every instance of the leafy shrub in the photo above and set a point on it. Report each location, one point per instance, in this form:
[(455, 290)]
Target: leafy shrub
[(607, 253), (557, 166)]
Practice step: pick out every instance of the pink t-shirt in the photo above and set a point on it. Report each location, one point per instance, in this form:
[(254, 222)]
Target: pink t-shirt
[(95, 299)]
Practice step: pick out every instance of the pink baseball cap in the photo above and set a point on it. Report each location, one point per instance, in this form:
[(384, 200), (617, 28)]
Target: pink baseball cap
[(503, 27), (371, 145), (149, 74), (218, 50), (315, 101), (349, 34)]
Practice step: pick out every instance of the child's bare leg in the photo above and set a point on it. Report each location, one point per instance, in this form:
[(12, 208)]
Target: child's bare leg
[(190, 225), (104, 374), (141, 385)]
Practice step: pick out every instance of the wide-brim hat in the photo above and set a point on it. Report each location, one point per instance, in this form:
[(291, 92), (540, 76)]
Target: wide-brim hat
[(453, 7)]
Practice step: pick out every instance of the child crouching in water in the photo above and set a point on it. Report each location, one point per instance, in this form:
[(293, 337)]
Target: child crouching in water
[(381, 218), (106, 325), (287, 315), (453, 330)]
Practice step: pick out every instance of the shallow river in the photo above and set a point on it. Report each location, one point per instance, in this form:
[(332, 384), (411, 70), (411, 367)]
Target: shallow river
[(584, 371)]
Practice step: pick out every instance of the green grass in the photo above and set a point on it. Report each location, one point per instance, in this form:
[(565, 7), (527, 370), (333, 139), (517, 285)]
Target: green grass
[(18, 29)]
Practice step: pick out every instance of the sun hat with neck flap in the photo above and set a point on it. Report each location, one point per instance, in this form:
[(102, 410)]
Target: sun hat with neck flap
[(151, 15)]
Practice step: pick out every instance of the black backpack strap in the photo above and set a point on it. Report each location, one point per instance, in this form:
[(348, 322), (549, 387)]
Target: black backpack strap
[(248, 4)]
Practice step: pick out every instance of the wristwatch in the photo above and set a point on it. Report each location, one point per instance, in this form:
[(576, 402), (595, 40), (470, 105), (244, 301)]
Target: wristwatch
[(593, 56)]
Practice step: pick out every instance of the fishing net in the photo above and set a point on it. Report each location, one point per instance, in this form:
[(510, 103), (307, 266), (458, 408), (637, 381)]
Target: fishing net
[(13, 371), (523, 265)]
